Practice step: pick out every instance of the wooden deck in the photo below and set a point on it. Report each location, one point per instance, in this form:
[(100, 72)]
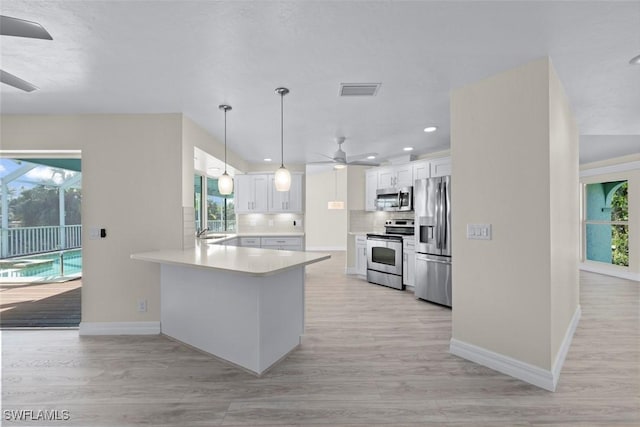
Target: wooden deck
[(40, 305)]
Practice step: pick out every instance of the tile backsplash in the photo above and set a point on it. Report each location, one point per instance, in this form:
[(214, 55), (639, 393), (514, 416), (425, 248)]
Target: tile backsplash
[(364, 221), (270, 223)]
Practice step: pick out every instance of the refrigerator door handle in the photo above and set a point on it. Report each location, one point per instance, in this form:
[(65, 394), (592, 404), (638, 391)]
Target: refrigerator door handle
[(433, 260), (443, 213), (439, 216)]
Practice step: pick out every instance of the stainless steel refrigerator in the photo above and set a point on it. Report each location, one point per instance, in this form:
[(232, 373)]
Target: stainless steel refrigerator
[(432, 207)]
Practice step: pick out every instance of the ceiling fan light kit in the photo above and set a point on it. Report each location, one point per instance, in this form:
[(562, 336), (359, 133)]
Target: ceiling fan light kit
[(282, 177), (16, 27), (225, 182)]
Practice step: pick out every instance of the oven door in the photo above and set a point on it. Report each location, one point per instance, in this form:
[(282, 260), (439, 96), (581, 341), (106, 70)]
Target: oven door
[(384, 255)]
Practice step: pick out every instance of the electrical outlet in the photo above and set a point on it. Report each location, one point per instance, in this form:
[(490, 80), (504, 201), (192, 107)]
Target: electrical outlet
[(142, 306)]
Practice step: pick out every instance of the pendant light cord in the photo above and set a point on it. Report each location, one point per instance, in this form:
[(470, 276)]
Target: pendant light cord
[(225, 140), (282, 130)]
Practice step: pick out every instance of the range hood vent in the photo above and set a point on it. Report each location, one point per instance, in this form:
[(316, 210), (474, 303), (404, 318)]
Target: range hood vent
[(359, 89)]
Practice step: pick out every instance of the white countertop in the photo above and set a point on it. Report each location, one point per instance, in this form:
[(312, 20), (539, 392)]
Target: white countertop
[(285, 234), (251, 261)]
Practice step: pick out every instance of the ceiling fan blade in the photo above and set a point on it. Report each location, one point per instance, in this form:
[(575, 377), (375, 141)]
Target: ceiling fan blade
[(321, 163), (357, 163), (360, 156), (17, 82), (21, 28)]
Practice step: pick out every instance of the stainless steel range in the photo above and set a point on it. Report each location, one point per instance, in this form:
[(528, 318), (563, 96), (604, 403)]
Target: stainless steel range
[(384, 253)]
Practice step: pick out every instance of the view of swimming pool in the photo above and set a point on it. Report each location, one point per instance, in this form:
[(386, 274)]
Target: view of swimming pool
[(46, 265)]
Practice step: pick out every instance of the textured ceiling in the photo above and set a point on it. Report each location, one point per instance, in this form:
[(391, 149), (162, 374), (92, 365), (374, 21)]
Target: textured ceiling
[(190, 56)]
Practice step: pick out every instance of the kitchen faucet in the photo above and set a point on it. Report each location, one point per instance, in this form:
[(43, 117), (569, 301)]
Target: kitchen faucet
[(202, 232)]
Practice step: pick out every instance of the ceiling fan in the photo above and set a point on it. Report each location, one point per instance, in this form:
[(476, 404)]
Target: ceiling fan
[(340, 157), (20, 28)]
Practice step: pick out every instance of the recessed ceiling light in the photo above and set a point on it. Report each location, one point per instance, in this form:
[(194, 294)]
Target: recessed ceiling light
[(408, 148), (267, 159), (339, 166), (430, 128), (635, 60), (371, 157)]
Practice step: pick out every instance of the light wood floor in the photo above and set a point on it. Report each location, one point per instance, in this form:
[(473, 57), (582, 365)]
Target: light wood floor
[(55, 304), (370, 356)]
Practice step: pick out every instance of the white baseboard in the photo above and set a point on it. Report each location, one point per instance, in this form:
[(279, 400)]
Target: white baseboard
[(564, 346), (594, 268), (325, 248), (543, 378), (507, 365), (119, 328)]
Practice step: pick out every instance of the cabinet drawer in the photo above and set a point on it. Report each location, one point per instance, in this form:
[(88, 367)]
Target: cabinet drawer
[(283, 247), (281, 241), (250, 242), (361, 240)]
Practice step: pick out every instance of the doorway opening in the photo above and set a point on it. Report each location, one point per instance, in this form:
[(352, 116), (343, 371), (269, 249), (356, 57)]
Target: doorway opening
[(40, 241)]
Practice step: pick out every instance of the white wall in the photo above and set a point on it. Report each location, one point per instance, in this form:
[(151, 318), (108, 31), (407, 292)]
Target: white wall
[(325, 229), (131, 182), (513, 294), (564, 213)]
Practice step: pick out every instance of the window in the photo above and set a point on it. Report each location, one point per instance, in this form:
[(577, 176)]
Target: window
[(607, 222), (220, 211), (197, 200)]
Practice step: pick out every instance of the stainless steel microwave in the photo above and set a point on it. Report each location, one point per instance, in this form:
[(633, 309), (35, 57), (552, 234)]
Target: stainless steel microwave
[(394, 199)]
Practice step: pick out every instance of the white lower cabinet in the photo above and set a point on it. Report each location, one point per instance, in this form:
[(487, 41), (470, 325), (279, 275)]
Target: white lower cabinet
[(282, 243), (361, 255), (408, 262), (250, 242)]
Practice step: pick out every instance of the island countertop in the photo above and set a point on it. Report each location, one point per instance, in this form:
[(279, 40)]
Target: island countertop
[(250, 261)]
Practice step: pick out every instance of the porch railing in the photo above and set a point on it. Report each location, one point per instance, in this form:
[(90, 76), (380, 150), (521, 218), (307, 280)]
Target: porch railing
[(19, 241)]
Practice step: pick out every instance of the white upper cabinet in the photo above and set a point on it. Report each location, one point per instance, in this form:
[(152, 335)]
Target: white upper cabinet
[(251, 193), (395, 176), (371, 185), (256, 193), (421, 170), (404, 175), (441, 167), (286, 201)]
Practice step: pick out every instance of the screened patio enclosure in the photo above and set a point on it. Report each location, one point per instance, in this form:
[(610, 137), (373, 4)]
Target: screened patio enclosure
[(41, 232)]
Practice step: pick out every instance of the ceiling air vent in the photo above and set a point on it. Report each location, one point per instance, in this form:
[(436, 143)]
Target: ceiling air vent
[(359, 89)]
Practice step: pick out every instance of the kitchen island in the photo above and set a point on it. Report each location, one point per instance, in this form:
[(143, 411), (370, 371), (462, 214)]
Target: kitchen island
[(243, 305)]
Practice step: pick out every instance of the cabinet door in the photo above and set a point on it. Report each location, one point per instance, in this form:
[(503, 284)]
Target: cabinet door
[(405, 267), (260, 193), (386, 178), (441, 167), (408, 267), (277, 198), (421, 170), (404, 176), (243, 193), (370, 190), (361, 258)]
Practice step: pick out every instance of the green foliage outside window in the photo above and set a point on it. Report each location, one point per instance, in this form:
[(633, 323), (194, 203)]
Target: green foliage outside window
[(620, 233), (39, 206)]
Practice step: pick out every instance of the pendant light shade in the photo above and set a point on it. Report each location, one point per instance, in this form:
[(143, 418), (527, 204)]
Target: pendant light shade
[(282, 178), (225, 182)]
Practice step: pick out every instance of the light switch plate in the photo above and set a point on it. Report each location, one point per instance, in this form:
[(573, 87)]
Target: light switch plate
[(478, 231)]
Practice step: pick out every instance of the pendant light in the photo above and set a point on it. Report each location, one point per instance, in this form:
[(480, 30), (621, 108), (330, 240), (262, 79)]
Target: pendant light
[(282, 178), (335, 203), (225, 182)]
